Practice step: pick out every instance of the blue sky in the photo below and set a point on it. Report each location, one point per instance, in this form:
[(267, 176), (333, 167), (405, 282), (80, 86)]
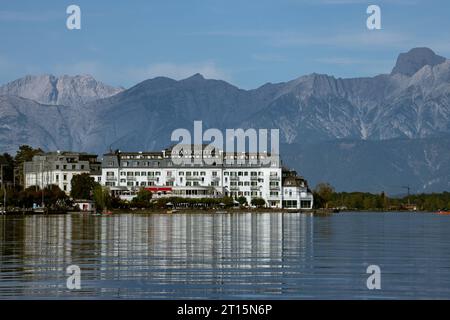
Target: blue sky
[(247, 43)]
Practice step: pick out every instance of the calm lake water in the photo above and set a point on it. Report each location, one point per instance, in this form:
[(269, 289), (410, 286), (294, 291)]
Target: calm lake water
[(226, 256)]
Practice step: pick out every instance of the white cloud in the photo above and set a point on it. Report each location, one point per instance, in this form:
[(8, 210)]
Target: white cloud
[(24, 16), (289, 38), (269, 57)]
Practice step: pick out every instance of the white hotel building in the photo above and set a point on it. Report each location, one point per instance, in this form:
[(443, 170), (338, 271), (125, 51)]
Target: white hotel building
[(226, 174), (58, 168)]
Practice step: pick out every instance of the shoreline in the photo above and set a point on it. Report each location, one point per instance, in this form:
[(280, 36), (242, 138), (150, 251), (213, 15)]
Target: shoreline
[(317, 212)]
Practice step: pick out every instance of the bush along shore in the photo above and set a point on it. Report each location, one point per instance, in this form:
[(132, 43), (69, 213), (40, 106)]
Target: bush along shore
[(326, 200)]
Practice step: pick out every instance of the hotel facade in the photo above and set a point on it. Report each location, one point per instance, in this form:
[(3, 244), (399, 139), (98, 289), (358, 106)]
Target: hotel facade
[(58, 168), (207, 173)]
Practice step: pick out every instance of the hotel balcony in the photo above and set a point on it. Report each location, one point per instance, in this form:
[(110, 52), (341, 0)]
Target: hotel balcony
[(111, 178), (234, 178), (275, 178), (131, 178), (255, 188), (193, 178), (274, 188), (152, 178)]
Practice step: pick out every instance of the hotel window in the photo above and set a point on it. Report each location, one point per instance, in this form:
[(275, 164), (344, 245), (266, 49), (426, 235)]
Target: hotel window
[(246, 173), (130, 184), (65, 187), (240, 173), (65, 177), (226, 173), (137, 174), (57, 177), (57, 166), (64, 167), (181, 173), (123, 173), (143, 173), (203, 173), (169, 173), (122, 180), (214, 173)]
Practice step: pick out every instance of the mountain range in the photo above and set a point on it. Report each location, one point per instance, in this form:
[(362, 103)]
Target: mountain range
[(369, 134)]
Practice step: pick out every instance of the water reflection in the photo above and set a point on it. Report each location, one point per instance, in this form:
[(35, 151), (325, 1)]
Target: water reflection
[(268, 255)]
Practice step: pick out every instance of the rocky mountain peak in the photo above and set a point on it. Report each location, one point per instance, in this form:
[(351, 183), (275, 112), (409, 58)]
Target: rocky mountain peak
[(64, 90), (412, 61)]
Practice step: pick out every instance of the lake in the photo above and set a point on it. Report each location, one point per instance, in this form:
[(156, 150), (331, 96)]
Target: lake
[(225, 256)]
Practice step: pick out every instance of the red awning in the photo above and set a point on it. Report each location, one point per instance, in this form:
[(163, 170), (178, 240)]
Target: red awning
[(158, 189)]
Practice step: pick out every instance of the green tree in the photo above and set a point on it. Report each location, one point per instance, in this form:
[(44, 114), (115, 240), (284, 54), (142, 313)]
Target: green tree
[(101, 197), (142, 199), (82, 186), (7, 161), (258, 202), (242, 200), (25, 153), (324, 193)]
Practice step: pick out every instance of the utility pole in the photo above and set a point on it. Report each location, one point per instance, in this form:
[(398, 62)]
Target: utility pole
[(407, 188), (3, 188)]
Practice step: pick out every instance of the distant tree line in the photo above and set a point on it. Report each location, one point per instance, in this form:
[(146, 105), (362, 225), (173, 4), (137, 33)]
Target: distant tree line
[(325, 196)]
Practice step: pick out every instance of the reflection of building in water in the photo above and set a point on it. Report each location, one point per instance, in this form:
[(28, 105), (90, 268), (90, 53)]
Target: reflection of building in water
[(124, 255)]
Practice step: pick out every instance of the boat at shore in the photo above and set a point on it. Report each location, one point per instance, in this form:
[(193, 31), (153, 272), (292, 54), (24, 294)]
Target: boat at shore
[(444, 211)]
